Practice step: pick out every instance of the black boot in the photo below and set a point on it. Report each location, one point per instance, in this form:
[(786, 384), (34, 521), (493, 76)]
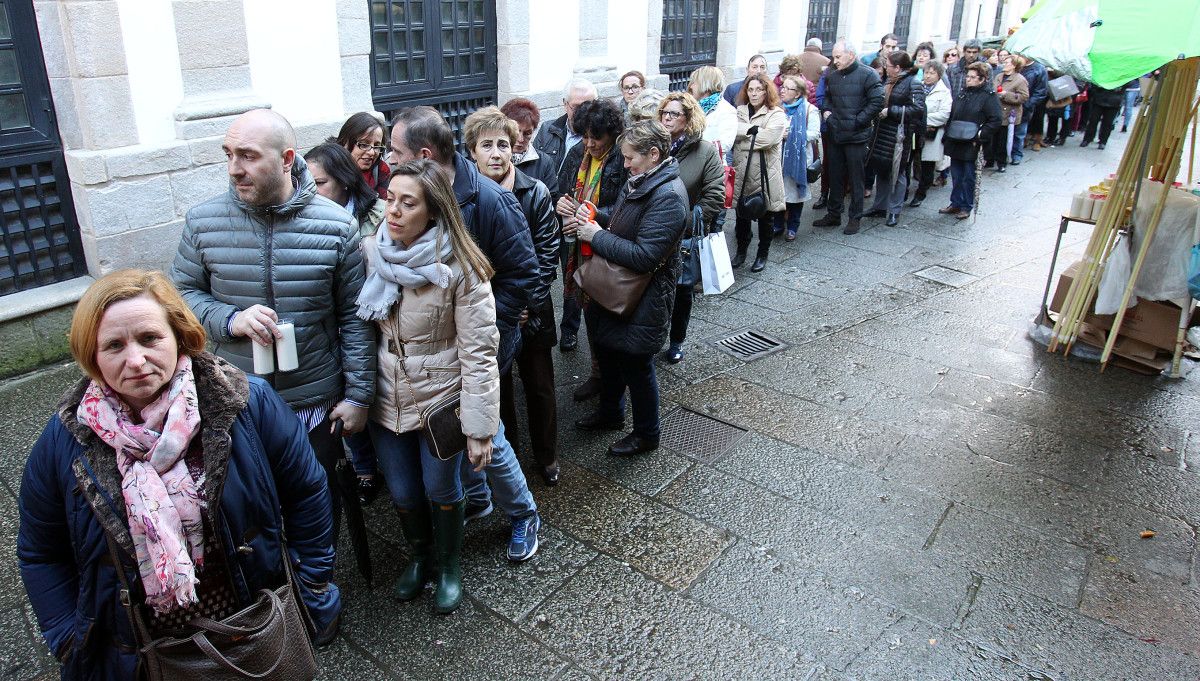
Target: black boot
[(419, 533), (739, 258), (760, 262)]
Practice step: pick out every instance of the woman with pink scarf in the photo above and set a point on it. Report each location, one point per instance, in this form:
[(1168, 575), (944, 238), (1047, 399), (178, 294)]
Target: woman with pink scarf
[(176, 465)]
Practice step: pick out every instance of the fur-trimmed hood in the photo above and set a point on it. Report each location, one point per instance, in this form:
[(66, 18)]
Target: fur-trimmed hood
[(222, 391)]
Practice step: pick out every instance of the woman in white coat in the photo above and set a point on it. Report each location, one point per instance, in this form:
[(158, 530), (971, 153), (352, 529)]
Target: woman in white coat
[(799, 140), (937, 111)]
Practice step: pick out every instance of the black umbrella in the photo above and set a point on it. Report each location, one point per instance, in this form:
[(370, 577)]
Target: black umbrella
[(347, 482)]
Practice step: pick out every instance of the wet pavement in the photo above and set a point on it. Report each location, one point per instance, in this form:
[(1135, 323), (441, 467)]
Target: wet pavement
[(909, 489)]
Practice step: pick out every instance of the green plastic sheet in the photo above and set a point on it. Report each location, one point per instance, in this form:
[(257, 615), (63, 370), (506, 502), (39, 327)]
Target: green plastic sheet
[(1108, 42)]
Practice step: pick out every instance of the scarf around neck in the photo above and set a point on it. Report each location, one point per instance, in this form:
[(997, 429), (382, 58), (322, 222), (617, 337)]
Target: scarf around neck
[(162, 500), (891, 84), (709, 103), (394, 267), (588, 188)]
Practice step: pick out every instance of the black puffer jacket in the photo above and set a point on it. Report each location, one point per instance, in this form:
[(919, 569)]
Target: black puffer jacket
[(494, 218), (543, 226), (643, 235), (854, 97), (300, 259), (612, 179), (907, 103), (978, 105)]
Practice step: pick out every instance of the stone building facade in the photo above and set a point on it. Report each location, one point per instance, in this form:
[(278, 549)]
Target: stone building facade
[(140, 93)]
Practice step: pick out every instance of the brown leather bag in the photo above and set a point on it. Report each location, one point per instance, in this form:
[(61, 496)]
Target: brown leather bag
[(613, 287), (268, 640)]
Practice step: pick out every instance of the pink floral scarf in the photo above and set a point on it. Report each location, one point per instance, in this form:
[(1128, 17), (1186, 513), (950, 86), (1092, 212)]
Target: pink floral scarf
[(161, 498)]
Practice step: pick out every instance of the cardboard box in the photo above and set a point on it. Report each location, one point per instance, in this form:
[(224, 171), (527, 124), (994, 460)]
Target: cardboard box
[(1152, 322), (1127, 353)]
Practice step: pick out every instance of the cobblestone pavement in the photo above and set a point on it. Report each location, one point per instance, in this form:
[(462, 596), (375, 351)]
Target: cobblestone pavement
[(914, 491)]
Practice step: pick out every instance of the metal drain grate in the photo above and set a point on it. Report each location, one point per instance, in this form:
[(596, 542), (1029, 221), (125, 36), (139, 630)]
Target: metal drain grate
[(698, 436), (750, 345)]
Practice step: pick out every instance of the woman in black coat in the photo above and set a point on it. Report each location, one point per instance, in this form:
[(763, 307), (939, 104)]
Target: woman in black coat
[(978, 105), (593, 171), (1103, 107), (901, 121), (643, 235)]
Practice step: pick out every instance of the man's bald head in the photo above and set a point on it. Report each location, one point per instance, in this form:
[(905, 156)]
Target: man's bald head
[(268, 127), (261, 148)]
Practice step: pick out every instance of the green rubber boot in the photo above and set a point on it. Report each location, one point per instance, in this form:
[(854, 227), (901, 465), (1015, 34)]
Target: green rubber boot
[(447, 541), (419, 533)]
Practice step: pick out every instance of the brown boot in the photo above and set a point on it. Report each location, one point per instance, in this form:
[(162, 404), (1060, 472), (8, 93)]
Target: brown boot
[(1037, 143)]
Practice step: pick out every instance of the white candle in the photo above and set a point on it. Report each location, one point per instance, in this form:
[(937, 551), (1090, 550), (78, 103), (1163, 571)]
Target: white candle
[(264, 359), (285, 347)]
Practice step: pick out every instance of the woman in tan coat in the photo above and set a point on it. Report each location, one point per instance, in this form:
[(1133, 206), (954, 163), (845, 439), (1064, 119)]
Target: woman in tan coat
[(762, 120), (1013, 90), (428, 290)]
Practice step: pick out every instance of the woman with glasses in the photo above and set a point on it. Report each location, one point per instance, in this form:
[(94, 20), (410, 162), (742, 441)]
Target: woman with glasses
[(804, 130), (761, 125), (703, 174), (632, 84), (362, 135), (979, 105)]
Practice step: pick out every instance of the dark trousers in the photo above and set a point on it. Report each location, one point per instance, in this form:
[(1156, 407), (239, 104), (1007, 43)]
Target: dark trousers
[(925, 178), (845, 164), (328, 450), (962, 194), (681, 314), (362, 453), (1037, 119), (1103, 116), (535, 364), (997, 147), (766, 228), (571, 312), (1056, 124), (619, 371)]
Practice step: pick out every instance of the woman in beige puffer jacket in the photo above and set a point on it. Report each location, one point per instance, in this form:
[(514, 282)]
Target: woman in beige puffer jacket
[(759, 112), (428, 291)]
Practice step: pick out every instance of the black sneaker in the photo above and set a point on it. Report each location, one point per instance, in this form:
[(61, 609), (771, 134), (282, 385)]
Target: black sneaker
[(568, 342), (476, 510)]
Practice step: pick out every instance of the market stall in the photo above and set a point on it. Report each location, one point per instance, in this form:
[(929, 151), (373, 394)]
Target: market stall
[(1128, 296)]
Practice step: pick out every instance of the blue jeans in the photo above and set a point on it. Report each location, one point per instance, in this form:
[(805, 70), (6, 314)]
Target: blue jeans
[(362, 453), (503, 476), (413, 475), (1018, 147), (962, 175), (621, 370), (1130, 97)]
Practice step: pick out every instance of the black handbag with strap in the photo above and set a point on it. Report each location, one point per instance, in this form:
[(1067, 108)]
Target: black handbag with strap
[(689, 250), (754, 206)]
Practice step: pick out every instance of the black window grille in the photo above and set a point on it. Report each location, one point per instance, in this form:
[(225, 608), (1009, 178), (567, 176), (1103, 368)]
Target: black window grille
[(823, 22), (689, 39), (903, 22), (39, 236), (440, 53), (956, 20), (999, 18)]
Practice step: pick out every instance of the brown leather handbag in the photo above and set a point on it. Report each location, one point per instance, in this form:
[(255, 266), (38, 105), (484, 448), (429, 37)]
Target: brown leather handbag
[(268, 640), (613, 287)]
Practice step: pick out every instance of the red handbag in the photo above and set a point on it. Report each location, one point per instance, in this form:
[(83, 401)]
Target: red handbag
[(730, 177)]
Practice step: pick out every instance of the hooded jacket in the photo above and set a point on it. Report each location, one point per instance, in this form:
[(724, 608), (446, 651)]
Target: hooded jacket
[(301, 259), (643, 235), (702, 172), (261, 479)]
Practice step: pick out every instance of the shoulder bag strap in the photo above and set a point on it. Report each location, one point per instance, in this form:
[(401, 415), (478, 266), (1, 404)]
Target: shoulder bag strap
[(749, 156), (762, 173), (140, 630)]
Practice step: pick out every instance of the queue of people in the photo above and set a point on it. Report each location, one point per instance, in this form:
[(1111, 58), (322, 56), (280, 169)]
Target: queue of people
[(409, 285)]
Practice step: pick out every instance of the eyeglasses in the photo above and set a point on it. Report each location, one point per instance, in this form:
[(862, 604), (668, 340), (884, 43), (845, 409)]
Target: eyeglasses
[(367, 146), (790, 88), (670, 115), (631, 88)]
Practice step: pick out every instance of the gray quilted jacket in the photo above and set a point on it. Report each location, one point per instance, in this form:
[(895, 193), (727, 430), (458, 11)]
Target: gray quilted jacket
[(300, 259)]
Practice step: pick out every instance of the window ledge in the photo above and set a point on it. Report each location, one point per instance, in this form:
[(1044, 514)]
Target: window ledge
[(42, 298)]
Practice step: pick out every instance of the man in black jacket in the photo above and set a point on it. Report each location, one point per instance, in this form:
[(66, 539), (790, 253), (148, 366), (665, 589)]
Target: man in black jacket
[(494, 218), (853, 98), (557, 137)]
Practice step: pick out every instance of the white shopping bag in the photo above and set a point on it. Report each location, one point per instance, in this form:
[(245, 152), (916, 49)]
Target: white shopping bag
[(1117, 272), (715, 266)]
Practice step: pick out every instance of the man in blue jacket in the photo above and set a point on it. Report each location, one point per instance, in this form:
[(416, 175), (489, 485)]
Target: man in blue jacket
[(1034, 109), (494, 218)]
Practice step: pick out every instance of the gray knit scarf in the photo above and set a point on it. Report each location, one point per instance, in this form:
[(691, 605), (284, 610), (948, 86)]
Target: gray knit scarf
[(393, 267)]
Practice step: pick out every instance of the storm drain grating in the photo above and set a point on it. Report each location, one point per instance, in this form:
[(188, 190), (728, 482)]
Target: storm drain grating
[(698, 436), (750, 345)]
